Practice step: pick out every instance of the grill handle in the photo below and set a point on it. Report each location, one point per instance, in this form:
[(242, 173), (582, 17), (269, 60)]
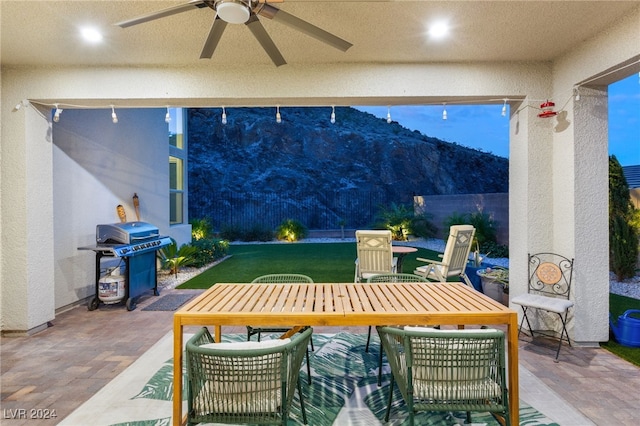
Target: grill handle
[(146, 237)]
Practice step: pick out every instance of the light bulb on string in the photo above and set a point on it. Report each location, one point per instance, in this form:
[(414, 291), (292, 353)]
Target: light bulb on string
[(22, 103), (56, 115), (167, 117), (278, 116), (577, 90), (504, 109), (444, 112), (333, 114), (224, 116), (114, 117), (389, 114)]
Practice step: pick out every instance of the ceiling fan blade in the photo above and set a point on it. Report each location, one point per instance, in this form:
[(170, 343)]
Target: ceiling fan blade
[(309, 29), (193, 4), (215, 33), (263, 38)]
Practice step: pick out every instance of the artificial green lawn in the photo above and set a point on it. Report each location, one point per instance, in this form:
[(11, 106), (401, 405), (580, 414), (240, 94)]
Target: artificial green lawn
[(333, 263), (323, 262)]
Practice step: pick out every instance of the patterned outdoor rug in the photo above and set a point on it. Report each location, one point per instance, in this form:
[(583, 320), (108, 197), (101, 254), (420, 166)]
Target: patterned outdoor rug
[(344, 391), (169, 302)]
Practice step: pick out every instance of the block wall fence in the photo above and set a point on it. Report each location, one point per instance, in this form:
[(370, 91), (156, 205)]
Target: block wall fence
[(440, 207)]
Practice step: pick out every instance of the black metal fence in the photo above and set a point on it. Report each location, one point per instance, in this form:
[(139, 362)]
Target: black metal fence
[(319, 210)]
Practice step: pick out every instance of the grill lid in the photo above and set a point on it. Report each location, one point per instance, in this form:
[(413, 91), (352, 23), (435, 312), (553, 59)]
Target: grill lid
[(125, 232)]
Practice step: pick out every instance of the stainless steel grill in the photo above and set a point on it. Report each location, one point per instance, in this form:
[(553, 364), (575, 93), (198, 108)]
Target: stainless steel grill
[(136, 243), (129, 238)]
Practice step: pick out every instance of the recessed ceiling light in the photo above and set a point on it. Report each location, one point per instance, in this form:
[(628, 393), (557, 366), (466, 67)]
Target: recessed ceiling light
[(439, 30), (91, 34)]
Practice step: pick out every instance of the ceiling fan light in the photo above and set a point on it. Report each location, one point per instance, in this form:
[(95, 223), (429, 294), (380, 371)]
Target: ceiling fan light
[(233, 11)]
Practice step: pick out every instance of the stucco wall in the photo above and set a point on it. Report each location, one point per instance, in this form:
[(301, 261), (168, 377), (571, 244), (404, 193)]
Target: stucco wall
[(96, 166)]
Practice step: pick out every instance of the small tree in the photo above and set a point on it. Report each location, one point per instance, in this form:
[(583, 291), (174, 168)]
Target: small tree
[(397, 219), (623, 237)]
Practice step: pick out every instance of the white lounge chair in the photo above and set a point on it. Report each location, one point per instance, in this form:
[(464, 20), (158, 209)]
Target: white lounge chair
[(455, 258), (375, 255)]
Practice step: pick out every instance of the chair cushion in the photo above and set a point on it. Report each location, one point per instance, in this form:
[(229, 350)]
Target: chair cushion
[(250, 345), (552, 304), (461, 390), (239, 390), (418, 328), (429, 268), (232, 395)]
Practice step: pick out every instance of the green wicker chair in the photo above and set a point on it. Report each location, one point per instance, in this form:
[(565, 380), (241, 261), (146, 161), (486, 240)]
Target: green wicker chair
[(280, 278), (271, 279), (390, 278), (243, 382), (447, 370)]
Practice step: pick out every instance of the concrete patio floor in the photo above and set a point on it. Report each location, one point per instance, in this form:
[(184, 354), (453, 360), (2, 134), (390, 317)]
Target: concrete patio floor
[(64, 365)]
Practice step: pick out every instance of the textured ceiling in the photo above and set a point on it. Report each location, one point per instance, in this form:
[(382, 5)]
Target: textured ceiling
[(45, 33)]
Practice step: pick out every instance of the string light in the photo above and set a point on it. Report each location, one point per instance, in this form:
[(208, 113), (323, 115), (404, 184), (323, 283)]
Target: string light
[(224, 116), (56, 115), (278, 116), (167, 117), (577, 90), (114, 117), (22, 103), (504, 109), (444, 111), (333, 114), (389, 114)]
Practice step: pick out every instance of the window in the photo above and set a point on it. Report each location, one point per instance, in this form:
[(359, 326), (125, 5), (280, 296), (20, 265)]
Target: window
[(177, 161)]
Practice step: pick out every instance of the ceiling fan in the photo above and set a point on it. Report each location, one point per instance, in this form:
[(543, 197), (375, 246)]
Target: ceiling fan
[(244, 12)]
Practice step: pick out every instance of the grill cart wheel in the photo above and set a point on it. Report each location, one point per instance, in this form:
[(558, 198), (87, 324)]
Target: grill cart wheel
[(93, 304), (131, 305)]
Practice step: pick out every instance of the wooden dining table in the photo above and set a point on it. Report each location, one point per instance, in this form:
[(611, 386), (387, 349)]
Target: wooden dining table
[(342, 304)]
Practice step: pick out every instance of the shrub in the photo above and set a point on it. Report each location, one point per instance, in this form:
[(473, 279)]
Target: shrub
[(200, 228), (174, 258), (454, 218), (231, 232), (397, 219), (291, 230), (493, 249), (421, 226), (485, 227), (623, 237), (209, 250), (486, 231), (257, 233)]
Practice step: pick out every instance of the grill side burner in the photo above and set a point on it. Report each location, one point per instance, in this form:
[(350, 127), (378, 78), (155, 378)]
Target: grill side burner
[(136, 243)]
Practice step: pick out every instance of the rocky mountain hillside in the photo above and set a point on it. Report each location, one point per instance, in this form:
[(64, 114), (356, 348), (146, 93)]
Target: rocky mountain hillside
[(306, 154)]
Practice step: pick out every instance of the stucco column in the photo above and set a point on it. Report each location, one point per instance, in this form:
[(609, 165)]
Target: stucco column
[(27, 221), (558, 202), (530, 195), (591, 216)]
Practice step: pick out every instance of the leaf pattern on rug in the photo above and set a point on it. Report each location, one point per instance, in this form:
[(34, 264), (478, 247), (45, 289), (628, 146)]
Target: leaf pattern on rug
[(160, 385), (339, 367)]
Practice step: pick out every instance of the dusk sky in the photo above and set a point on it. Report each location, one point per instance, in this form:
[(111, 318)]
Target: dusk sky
[(483, 126)]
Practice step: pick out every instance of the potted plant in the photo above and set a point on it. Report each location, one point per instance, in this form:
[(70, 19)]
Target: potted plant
[(495, 283)]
